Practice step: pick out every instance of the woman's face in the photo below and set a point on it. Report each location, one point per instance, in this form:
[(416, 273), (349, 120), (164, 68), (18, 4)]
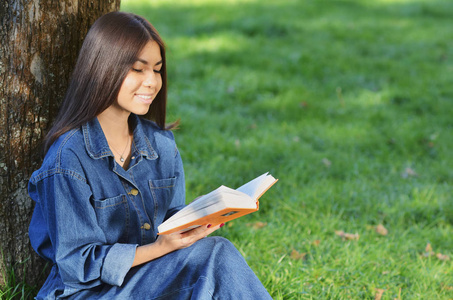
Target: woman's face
[(142, 83)]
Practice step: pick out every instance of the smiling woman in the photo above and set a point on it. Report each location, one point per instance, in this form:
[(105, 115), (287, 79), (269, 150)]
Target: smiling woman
[(140, 87), (108, 55), (142, 83), (112, 174)]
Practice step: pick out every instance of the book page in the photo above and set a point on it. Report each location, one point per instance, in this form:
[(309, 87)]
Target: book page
[(257, 186), (221, 205), (208, 200)]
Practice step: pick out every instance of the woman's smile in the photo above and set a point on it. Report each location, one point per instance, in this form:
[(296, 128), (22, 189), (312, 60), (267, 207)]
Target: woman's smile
[(145, 98)]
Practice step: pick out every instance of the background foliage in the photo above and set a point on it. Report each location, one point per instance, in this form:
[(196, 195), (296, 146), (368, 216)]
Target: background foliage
[(349, 104)]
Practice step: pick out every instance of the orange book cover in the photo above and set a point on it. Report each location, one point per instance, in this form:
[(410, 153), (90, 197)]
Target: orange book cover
[(223, 215), (216, 218)]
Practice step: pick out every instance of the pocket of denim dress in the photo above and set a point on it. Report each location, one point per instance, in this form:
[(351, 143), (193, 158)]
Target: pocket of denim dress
[(113, 218), (162, 191)]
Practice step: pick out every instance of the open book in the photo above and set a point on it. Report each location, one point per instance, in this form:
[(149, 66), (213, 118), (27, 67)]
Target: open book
[(219, 206)]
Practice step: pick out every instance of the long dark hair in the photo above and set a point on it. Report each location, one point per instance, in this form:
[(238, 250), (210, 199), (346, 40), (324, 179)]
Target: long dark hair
[(109, 50)]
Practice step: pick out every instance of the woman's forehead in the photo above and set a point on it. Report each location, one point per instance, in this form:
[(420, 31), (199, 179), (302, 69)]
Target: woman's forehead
[(150, 54)]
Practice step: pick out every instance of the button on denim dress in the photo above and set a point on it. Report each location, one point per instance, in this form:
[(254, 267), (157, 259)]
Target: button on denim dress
[(91, 214)]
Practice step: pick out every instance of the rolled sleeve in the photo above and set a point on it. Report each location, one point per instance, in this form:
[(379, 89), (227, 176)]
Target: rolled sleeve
[(117, 263)]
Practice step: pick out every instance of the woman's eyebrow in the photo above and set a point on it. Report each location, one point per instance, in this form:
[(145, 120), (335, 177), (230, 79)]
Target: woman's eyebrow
[(146, 62)]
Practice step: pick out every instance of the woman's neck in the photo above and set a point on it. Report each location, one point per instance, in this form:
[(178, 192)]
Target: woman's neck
[(114, 125), (117, 132)]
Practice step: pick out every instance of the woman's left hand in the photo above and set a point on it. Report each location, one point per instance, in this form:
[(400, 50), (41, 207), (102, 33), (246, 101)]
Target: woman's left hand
[(171, 242), (180, 240)]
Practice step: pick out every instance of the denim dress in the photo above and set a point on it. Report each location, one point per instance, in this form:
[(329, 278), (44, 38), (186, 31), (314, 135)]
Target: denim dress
[(91, 214)]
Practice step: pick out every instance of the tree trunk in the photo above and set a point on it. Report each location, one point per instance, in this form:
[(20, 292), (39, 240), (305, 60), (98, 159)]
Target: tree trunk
[(39, 42)]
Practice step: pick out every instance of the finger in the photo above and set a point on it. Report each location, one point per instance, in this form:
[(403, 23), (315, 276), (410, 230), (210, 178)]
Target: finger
[(188, 238), (207, 230), (200, 232), (195, 232)]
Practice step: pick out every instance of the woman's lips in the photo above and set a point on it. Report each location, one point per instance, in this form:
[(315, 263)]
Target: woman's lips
[(145, 98)]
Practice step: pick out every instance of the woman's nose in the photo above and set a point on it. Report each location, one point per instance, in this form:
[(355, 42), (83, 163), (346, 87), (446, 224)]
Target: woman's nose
[(150, 80)]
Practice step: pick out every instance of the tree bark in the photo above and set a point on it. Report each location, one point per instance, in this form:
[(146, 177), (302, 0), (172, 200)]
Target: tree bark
[(39, 42)]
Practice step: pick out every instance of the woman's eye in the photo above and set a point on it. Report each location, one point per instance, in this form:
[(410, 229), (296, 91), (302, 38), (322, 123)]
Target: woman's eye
[(158, 71), (137, 70)]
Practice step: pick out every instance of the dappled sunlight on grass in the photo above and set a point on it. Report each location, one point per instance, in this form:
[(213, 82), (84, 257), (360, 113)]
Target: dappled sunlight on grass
[(393, 1), (207, 44), (176, 3), (348, 103)]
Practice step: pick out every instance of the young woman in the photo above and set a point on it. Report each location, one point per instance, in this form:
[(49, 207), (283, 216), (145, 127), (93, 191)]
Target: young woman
[(112, 173)]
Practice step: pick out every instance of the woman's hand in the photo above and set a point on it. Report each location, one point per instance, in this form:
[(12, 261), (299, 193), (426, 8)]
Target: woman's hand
[(171, 242), (179, 240)]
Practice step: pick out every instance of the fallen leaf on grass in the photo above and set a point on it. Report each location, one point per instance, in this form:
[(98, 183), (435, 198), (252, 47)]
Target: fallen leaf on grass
[(380, 229), (379, 293), (428, 251), (316, 243), (409, 172), (347, 236), (303, 104), (257, 225), (326, 162), (297, 255), (442, 256)]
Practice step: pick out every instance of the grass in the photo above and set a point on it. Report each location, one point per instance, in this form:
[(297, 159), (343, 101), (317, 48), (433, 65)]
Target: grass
[(349, 104), (13, 287)]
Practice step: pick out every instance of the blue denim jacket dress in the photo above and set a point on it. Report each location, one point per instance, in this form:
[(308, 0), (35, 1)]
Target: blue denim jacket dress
[(91, 214)]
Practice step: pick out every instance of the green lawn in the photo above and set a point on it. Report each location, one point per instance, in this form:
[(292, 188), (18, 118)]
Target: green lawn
[(349, 104)]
